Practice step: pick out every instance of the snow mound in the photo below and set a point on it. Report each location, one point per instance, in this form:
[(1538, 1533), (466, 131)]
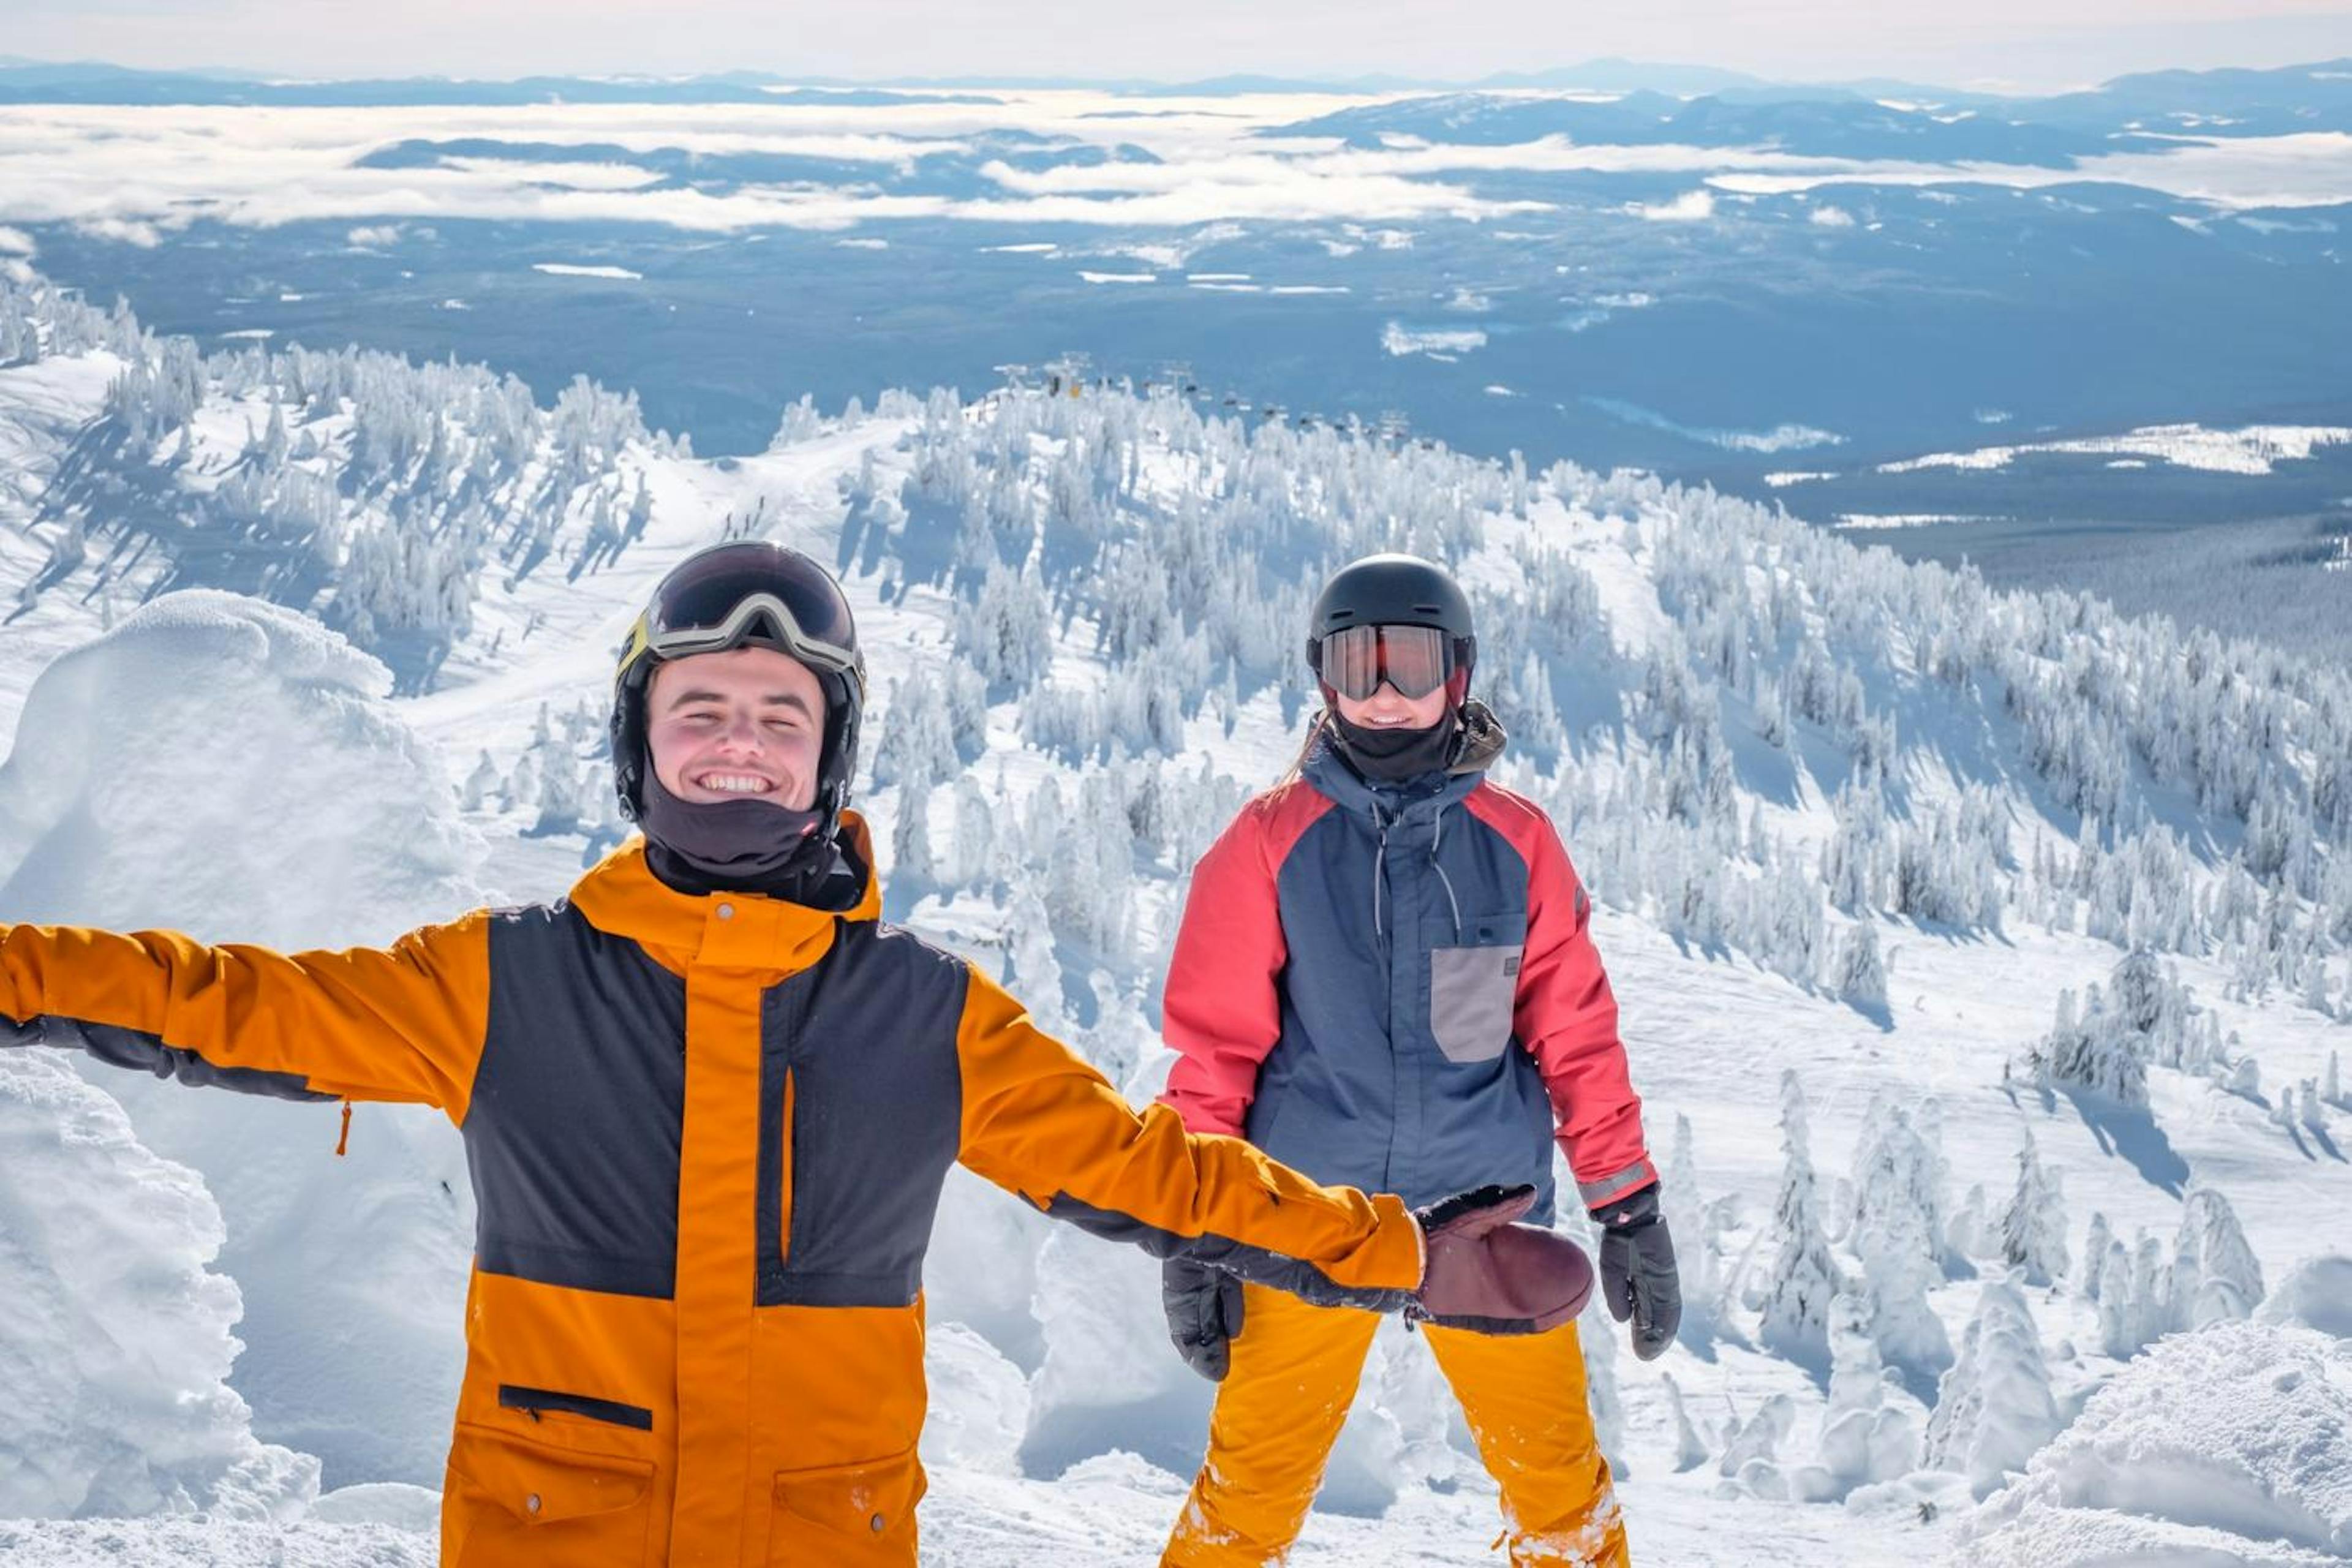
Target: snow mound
[(2233, 1445), (227, 767), (216, 761), (212, 1544), (120, 1347), (394, 1503), (2316, 1293), (980, 1403)]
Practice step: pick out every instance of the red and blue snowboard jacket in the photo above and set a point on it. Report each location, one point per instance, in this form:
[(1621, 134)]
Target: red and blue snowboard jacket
[(1395, 987)]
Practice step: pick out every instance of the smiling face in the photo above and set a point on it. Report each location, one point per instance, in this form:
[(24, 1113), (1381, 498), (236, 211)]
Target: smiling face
[(1387, 708), (746, 724)]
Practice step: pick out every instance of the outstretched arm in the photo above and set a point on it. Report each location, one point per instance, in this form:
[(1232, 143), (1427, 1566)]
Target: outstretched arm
[(1041, 1122), (402, 1023)]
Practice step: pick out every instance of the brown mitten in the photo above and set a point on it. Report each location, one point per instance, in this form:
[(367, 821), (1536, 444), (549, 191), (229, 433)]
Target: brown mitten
[(1492, 1275)]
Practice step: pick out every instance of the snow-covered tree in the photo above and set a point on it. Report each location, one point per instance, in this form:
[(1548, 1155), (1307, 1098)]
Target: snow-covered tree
[(1861, 977), (560, 787), (1969, 1233), (2033, 1226), (1869, 1432), (1994, 1408), (1752, 1458), (1896, 1233), (478, 783), (911, 861), (2216, 1277), (975, 832), (1034, 973), (1698, 1245), (1804, 1279), (2101, 1051), (2094, 1252), (1690, 1448)]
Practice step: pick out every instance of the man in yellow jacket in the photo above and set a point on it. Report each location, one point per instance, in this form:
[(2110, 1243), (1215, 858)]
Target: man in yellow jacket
[(708, 1101)]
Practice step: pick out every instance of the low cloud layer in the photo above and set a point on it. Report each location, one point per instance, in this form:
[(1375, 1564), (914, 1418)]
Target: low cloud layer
[(134, 174)]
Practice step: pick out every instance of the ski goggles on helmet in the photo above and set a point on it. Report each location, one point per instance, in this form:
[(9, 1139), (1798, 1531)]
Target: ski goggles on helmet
[(1416, 660), (749, 594)]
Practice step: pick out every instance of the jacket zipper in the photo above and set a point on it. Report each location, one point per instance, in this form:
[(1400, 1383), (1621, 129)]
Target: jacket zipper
[(536, 1402), (783, 1215)]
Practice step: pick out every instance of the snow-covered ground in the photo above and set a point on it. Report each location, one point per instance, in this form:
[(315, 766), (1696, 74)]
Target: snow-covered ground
[(1831, 808)]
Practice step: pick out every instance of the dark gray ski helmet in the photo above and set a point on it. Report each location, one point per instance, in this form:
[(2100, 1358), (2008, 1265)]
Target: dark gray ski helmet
[(750, 593), (1396, 590)]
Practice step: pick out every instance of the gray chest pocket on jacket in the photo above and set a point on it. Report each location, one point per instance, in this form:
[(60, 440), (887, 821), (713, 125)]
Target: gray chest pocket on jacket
[(1472, 988)]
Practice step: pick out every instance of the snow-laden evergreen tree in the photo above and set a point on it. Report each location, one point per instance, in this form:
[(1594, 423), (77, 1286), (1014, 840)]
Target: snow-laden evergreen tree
[(974, 859), (1698, 1245), (478, 783), (2216, 1277), (914, 736), (1804, 1279), (1690, 1449), (560, 784), (2149, 1299), (2121, 1312), (2095, 1252), (2033, 1226), (1994, 1408), (1968, 1233), (1869, 1432), (2101, 1051), (1896, 1233), (911, 861), (1032, 971), (1751, 1459), (1861, 977), (1006, 630)]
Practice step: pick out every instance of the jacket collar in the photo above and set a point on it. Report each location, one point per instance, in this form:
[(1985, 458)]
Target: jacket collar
[(622, 897), (1411, 799)]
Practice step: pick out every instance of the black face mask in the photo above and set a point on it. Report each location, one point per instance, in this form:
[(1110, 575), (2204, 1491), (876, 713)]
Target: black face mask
[(746, 846), (1389, 755)]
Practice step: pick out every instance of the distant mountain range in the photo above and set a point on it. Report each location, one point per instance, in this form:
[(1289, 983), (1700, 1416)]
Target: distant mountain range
[(2317, 96)]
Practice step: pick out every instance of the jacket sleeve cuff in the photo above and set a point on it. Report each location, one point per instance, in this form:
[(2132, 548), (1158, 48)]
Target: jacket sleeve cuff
[(1610, 1188)]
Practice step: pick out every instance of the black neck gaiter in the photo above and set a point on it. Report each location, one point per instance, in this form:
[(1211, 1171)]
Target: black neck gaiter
[(1386, 755), (746, 846)]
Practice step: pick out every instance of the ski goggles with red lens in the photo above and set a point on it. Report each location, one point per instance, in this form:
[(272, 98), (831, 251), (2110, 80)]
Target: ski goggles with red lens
[(1416, 660), (749, 594)]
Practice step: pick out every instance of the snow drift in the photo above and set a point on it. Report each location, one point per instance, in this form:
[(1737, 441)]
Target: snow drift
[(2233, 1445), (120, 1341), (227, 767)]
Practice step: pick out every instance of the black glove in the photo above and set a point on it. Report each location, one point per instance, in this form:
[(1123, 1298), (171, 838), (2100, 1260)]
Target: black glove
[(1637, 1270), (1205, 1313)]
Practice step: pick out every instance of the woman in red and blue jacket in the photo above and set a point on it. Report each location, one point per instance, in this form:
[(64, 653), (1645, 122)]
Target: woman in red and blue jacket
[(1384, 977)]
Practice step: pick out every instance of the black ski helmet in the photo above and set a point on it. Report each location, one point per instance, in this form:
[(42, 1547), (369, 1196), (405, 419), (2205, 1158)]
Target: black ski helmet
[(750, 593), (1395, 590)]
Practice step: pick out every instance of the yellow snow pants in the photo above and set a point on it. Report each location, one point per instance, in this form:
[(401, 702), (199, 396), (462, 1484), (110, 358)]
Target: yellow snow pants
[(1295, 1370)]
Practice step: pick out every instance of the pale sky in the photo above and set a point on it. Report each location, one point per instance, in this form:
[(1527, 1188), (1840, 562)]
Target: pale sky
[(2024, 45)]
